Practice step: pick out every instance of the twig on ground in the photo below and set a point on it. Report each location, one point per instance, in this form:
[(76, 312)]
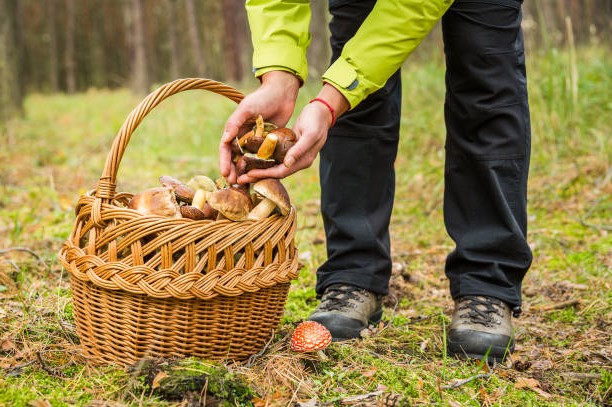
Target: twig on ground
[(16, 370), (559, 305), (254, 357), (69, 331), (43, 366), (361, 397), (580, 376), (21, 249), (587, 215), (460, 383), (13, 264)]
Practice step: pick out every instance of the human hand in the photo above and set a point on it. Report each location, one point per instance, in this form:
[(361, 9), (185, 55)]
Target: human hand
[(311, 131), (274, 100)]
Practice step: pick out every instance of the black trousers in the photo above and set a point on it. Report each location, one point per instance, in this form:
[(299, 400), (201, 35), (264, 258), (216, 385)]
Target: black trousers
[(487, 159)]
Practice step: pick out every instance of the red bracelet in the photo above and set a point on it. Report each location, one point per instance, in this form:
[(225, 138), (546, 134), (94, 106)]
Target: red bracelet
[(331, 109)]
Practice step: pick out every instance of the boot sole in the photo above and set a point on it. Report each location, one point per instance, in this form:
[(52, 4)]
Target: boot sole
[(375, 319), (494, 354)]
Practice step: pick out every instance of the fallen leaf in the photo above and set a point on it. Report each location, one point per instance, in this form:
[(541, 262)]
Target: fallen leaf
[(7, 346), (544, 364), (369, 373), (158, 378), (531, 384), (39, 403), (526, 383)]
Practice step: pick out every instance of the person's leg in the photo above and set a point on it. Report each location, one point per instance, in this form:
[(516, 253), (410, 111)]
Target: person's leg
[(358, 183), (487, 163)]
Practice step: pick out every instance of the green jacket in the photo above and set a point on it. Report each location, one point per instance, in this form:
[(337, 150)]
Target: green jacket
[(394, 28)]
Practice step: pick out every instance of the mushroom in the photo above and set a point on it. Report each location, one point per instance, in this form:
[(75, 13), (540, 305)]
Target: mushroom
[(200, 202), (156, 201), (250, 142), (183, 192), (191, 212), (202, 182), (311, 336), (232, 203), (266, 150), (274, 195), (286, 139), (251, 161)]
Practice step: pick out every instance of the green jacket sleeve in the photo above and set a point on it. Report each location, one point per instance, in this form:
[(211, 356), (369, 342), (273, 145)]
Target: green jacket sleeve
[(390, 33), (280, 36)]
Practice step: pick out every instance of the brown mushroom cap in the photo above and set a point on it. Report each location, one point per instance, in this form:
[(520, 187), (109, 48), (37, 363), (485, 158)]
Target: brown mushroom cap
[(286, 140), (231, 203), (202, 182), (272, 189), (156, 201), (183, 192), (254, 162), (191, 212)]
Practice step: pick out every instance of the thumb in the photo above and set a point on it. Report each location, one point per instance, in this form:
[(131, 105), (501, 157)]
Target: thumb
[(296, 152)]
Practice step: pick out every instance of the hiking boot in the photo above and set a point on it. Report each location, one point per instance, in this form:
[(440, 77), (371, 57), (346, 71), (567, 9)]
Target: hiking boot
[(346, 310), (481, 326)]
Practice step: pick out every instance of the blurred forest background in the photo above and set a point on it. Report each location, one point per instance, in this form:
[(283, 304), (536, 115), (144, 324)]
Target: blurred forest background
[(72, 45)]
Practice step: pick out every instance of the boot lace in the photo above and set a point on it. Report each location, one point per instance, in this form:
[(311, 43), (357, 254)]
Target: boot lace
[(482, 310), (338, 297)]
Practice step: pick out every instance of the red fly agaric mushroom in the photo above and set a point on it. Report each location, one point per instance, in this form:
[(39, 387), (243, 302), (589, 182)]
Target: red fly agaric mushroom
[(274, 195), (156, 201), (311, 336)]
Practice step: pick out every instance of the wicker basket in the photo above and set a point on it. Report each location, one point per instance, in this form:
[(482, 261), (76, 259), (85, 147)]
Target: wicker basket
[(150, 286)]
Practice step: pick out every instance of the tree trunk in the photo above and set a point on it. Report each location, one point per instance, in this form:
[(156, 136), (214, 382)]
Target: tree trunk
[(231, 41), (173, 39), (194, 37), (244, 37), (139, 75), (69, 55), (319, 52), (11, 96), (53, 51)]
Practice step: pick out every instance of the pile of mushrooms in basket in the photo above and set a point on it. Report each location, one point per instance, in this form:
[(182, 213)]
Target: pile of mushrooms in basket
[(202, 198)]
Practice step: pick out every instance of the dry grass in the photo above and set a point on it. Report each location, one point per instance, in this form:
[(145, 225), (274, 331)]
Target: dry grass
[(564, 351)]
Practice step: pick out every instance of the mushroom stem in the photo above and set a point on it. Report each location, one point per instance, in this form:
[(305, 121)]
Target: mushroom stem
[(199, 199), (266, 149), (263, 209), (322, 356)]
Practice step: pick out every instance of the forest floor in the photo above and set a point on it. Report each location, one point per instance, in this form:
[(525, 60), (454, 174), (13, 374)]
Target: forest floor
[(564, 347)]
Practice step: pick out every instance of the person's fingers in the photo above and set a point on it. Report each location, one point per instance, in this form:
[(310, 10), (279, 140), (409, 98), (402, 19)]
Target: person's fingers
[(232, 128), (232, 177), (225, 159)]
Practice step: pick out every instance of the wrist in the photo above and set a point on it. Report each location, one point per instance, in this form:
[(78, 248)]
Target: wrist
[(329, 108), (333, 101), (283, 78)]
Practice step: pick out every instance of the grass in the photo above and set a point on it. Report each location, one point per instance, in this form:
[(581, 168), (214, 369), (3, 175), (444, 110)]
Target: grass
[(564, 351)]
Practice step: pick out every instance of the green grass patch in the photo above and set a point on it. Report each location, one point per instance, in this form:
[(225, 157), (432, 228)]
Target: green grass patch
[(57, 151)]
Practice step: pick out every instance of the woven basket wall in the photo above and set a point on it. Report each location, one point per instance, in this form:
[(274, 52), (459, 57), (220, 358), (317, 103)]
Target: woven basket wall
[(150, 286)]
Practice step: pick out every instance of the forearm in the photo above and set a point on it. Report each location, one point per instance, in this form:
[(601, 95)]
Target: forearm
[(390, 33), (279, 31)]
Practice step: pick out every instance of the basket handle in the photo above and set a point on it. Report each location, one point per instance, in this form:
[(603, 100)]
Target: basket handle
[(105, 189)]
